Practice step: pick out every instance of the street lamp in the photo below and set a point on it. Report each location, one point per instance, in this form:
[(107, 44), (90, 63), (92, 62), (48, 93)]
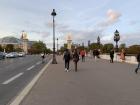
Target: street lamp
[(98, 41), (57, 45), (116, 39), (54, 58)]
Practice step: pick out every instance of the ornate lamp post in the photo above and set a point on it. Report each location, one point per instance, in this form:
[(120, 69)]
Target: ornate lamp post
[(98, 41), (116, 39), (54, 58), (57, 45)]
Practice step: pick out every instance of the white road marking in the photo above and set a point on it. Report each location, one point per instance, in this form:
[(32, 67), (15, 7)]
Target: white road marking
[(12, 79), (30, 68), (38, 63), (28, 88)]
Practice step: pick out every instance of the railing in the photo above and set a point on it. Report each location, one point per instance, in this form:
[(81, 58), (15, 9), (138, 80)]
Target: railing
[(128, 58)]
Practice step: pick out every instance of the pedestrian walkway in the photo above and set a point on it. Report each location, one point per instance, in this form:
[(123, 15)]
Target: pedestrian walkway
[(95, 83)]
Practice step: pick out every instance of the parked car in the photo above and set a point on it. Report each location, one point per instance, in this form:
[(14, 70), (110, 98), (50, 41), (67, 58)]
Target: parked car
[(2, 55), (12, 55), (21, 54)]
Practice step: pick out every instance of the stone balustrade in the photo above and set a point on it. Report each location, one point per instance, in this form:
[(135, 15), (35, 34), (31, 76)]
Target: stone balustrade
[(128, 59)]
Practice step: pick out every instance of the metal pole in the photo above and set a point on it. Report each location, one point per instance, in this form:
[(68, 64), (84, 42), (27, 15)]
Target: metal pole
[(57, 45), (54, 58), (116, 50)]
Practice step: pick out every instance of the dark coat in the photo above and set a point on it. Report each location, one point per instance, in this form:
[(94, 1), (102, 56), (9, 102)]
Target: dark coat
[(66, 56), (111, 54), (75, 57), (138, 57)]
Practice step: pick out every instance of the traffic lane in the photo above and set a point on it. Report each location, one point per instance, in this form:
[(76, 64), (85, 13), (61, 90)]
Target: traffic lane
[(10, 90), (17, 66), (8, 62)]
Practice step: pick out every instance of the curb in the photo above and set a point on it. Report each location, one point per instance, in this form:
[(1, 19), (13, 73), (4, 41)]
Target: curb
[(28, 88)]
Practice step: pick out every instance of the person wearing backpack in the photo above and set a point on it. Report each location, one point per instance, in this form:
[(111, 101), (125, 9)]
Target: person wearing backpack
[(43, 57), (111, 55), (66, 58), (75, 59), (138, 60)]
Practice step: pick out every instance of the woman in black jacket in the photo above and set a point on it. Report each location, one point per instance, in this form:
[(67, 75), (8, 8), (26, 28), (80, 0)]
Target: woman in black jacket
[(75, 59), (138, 59)]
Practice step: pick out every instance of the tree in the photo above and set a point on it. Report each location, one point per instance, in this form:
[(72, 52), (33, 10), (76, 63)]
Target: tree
[(134, 49), (48, 51), (18, 50), (122, 46), (107, 47), (37, 48), (62, 49), (9, 48), (93, 46)]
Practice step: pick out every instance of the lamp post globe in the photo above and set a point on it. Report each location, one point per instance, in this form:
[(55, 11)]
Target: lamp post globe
[(116, 39), (54, 58)]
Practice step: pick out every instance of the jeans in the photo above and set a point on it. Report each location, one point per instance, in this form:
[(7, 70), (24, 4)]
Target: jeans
[(67, 64)]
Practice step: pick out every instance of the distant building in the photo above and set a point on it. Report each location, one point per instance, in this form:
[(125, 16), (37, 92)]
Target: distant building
[(22, 43), (69, 41)]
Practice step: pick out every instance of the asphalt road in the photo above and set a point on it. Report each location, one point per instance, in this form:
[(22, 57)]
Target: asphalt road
[(16, 73)]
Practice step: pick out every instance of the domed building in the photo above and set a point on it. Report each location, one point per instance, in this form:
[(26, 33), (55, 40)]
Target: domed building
[(11, 40), (22, 43)]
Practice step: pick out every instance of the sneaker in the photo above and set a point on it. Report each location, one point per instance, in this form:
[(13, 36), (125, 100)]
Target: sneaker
[(65, 69)]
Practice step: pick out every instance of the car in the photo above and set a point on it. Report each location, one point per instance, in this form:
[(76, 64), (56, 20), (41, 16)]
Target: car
[(12, 55), (2, 55), (21, 54)]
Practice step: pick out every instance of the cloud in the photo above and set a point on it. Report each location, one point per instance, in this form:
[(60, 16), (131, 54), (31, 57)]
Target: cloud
[(49, 24), (42, 34), (112, 18), (91, 34), (133, 22)]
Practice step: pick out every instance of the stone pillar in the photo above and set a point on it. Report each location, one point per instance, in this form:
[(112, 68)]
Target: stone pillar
[(24, 42), (69, 42)]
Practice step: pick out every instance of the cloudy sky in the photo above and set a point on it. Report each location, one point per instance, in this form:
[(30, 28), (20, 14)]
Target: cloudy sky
[(83, 19)]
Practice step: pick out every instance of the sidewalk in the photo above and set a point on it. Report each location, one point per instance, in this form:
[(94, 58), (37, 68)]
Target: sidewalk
[(93, 84)]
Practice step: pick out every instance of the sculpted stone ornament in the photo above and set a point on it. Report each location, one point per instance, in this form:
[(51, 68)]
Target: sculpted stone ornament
[(69, 41)]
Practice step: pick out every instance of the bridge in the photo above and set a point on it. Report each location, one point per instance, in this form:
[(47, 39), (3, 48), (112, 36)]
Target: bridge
[(96, 83)]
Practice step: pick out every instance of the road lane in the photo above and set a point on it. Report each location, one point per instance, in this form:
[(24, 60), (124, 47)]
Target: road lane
[(30, 68), (14, 66), (14, 79)]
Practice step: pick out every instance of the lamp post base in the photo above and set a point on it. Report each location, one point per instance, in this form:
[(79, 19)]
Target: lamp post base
[(54, 61)]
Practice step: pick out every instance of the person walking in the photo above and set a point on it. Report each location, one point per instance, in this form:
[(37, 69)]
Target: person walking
[(66, 58), (96, 54), (138, 59), (75, 59), (111, 56), (82, 53), (94, 51), (43, 57), (122, 55)]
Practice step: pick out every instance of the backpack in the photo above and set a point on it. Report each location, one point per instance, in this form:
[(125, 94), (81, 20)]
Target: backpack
[(66, 55), (75, 57)]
